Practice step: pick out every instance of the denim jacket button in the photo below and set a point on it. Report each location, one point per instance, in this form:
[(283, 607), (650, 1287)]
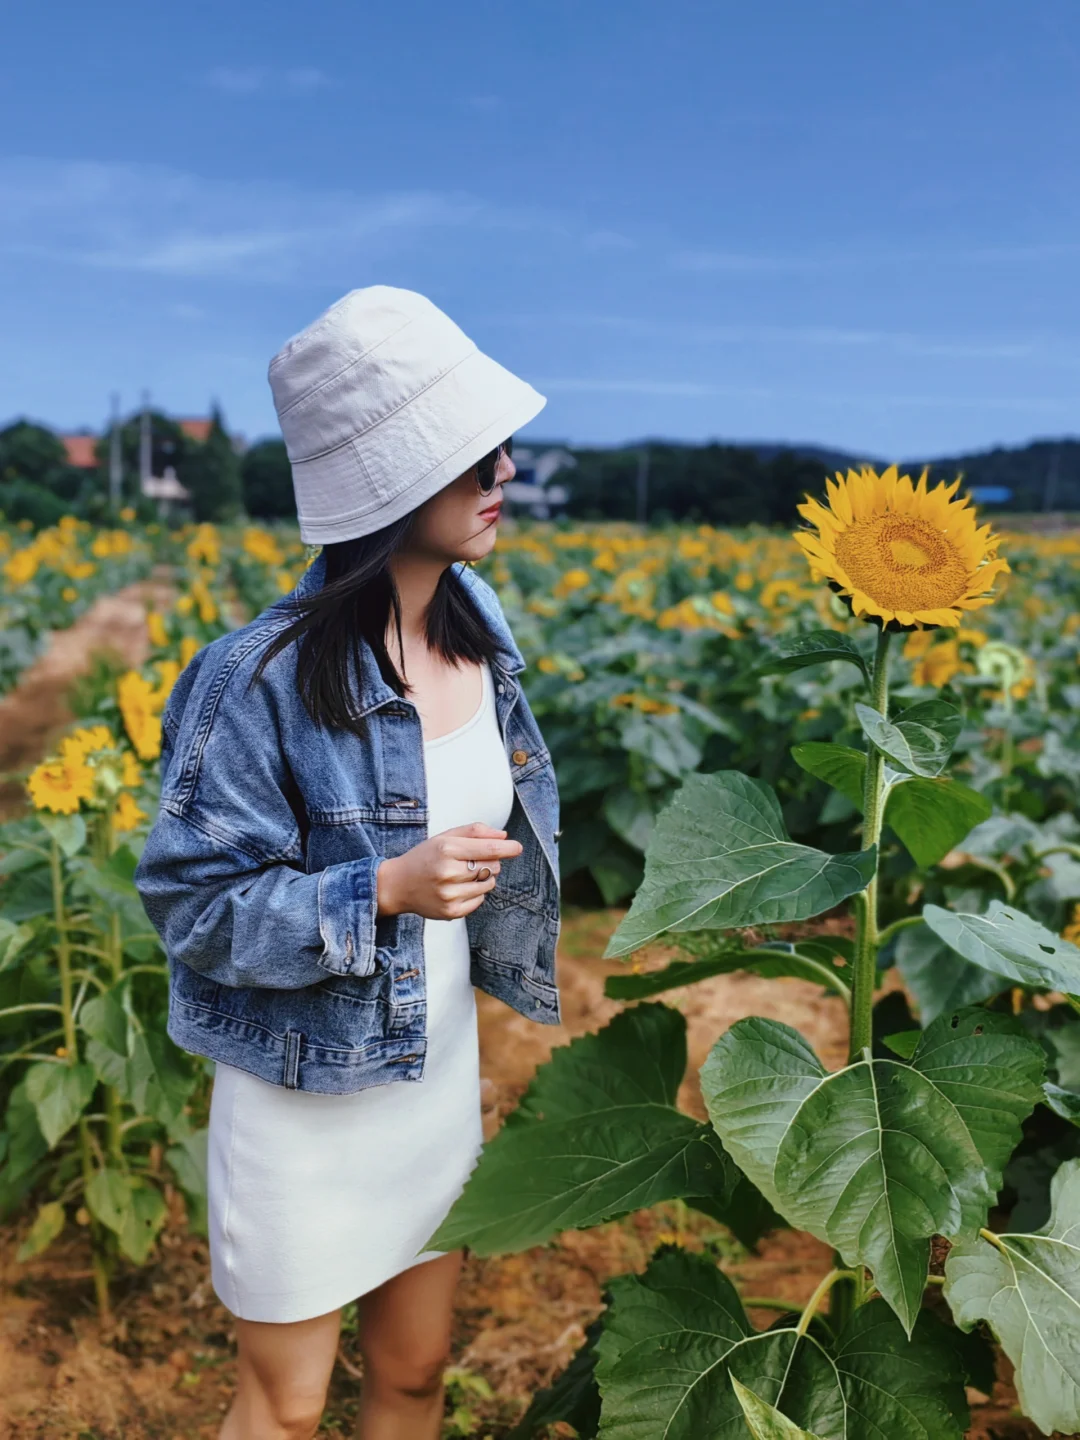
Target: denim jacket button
[(519, 757)]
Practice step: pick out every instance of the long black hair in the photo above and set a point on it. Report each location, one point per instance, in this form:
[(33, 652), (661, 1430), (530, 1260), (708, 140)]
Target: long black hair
[(353, 605)]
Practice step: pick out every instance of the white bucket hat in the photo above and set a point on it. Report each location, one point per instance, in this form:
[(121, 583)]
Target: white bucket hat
[(382, 401)]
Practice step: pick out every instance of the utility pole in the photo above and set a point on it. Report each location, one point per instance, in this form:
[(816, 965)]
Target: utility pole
[(146, 463), (116, 472), (642, 484)]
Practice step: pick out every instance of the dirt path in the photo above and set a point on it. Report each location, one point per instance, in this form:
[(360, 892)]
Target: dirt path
[(34, 713)]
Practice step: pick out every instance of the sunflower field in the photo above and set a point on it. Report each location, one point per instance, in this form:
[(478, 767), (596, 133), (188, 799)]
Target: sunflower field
[(873, 720)]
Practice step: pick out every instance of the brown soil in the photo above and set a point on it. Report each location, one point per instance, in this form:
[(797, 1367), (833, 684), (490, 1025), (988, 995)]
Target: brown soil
[(36, 711), (165, 1365)]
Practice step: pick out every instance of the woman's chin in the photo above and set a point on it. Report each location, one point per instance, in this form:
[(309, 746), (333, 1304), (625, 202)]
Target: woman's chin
[(479, 546)]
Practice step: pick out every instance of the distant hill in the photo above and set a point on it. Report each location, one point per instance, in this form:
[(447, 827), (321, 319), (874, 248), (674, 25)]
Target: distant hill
[(1044, 475), (762, 480)]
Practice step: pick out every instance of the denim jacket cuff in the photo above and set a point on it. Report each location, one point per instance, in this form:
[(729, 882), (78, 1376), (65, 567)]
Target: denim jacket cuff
[(348, 900)]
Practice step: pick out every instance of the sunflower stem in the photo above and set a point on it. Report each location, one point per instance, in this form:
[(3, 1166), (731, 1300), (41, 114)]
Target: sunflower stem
[(62, 921), (850, 1288), (1008, 747), (891, 931), (810, 1309), (867, 938)]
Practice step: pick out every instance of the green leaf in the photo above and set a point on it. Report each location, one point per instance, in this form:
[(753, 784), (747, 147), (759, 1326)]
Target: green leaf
[(121, 866), (630, 814), (59, 1094), (573, 1398), (26, 1147), (144, 1218), (919, 741), (129, 1206), (720, 857), (1007, 942), (153, 1077), (658, 1359), (992, 1073), (188, 1158), (170, 1077), (675, 1337), (1027, 1288), (931, 816), (1065, 1103), (764, 1421), (770, 961), (904, 1043), (18, 859), (31, 899), (937, 977), (147, 1067), (107, 1197), (13, 941), (69, 831), (47, 1225), (617, 874), (876, 1158), (798, 651), (838, 765), (104, 1019), (663, 740), (595, 1136)]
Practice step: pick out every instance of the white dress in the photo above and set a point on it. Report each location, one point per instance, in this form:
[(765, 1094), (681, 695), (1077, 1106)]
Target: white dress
[(316, 1199)]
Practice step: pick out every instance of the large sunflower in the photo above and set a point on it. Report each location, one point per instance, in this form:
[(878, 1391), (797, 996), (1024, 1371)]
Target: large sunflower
[(899, 551)]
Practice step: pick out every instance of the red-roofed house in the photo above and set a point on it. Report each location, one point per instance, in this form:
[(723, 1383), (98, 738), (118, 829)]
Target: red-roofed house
[(196, 429), (80, 451)]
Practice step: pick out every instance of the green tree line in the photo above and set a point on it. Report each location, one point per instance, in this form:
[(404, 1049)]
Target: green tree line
[(37, 482), (712, 483)]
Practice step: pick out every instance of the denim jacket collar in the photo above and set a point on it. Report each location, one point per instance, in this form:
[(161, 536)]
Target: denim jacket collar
[(372, 683)]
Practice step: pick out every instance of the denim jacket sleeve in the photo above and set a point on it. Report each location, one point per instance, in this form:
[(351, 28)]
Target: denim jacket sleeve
[(222, 875)]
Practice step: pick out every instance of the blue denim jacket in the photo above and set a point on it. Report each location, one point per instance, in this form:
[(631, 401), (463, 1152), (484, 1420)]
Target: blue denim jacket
[(260, 870)]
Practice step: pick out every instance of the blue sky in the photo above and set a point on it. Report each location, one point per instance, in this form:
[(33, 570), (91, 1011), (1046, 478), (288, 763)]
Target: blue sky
[(841, 222)]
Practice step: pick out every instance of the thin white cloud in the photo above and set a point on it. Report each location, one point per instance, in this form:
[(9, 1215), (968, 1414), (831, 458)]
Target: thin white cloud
[(695, 389), (1035, 348), (256, 79), (720, 261), (161, 221), (182, 310), (608, 240), (236, 79), (735, 262), (306, 79), (687, 389)]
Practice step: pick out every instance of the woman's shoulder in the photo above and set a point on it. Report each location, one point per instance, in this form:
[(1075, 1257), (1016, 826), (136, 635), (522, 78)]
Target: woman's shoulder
[(224, 670)]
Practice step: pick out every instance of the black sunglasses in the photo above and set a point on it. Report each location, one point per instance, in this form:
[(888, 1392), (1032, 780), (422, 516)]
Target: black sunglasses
[(487, 468)]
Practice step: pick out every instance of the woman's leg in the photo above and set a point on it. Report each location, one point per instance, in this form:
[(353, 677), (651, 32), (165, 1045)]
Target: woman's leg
[(404, 1337), (283, 1372)]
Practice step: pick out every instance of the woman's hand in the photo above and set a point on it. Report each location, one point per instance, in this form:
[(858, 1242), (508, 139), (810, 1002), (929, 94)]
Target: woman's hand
[(432, 878)]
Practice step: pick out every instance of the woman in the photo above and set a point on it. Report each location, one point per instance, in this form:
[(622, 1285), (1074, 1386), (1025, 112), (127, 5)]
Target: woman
[(358, 823)]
